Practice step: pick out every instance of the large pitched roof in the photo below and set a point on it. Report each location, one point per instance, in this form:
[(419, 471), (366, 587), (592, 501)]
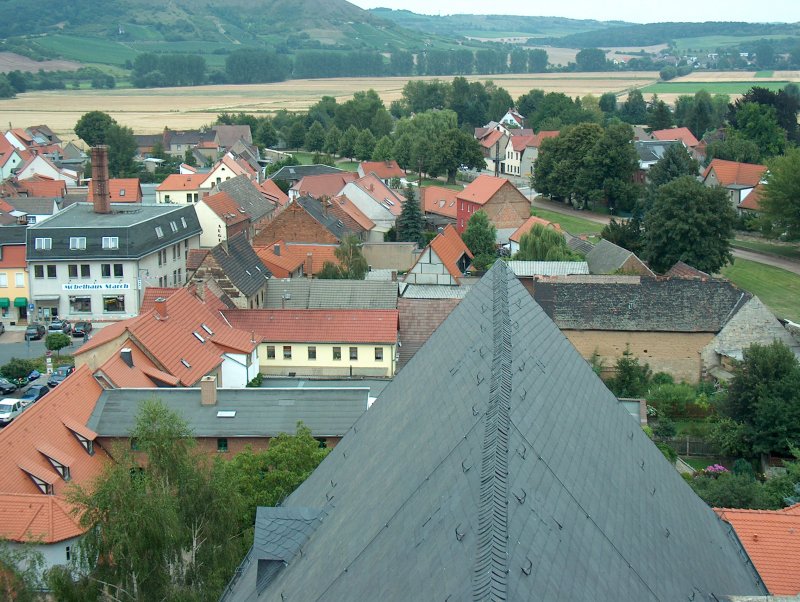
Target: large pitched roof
[(327, 219), (449, 248), (381, 193), (606, 257), (241, 265), (640, 304), (439, 200), (121, 190), (317, 325), (298, 172), (278, 259), (178, 181), (226, 208), (683, 134), (481, 189), (528, 225), (249, 196), (350, 214), (272, 193), (324, 185), (497, 466), (542, 136), (303, 293), (734, 173), (772, 540), (385, 170)]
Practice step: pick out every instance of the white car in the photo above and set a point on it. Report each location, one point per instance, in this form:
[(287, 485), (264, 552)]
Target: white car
[(9, 409)]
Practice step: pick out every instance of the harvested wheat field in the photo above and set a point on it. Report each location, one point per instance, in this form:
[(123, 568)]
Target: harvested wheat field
[(150, 110), (738, 76)]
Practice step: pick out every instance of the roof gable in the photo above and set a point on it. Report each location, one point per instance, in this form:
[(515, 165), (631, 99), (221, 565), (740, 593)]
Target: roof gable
[(734, 173), (528, 225), (683, 134), (481, 189), (240, 265), (503, 463), (385, 170), (226, 208)]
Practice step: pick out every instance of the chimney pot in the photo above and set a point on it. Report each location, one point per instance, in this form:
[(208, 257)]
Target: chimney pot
[(160, 305), (208, 391), (127, 356)]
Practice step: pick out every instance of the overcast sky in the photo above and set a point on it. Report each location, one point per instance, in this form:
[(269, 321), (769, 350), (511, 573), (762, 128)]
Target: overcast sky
[(636, 11)]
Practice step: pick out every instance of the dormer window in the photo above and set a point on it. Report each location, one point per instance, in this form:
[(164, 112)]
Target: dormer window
[(111, 242), (174, 226), (77, 243), (159, 232), (43, 244)]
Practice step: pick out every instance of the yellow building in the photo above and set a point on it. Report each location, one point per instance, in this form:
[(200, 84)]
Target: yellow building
[(315, 342), (14, 292)]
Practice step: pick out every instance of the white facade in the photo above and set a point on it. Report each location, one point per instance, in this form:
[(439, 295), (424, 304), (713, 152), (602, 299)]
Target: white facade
[(380, 215), (223, 170), (215, 230), (41, 166), (430, 269), (12, 162), (53, 554), (181, 197), (238, 369)]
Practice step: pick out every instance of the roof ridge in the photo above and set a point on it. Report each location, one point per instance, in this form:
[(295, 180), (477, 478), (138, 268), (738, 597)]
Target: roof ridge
[(490, 572)]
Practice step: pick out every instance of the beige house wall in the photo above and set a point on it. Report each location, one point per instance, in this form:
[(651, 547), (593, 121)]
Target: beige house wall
[(324, 364)]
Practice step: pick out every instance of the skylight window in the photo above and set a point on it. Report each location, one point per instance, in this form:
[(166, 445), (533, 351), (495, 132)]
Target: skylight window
[(198, 336), (183, 222), (185, 363), (159, 232), (207, 329), (174, 226), (226, 414)]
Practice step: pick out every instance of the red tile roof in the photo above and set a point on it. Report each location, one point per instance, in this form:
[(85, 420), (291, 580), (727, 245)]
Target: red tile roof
[(439, 200), (318, 325), (169, 339), (121, 375), (683, 134), (44, 187), (272, 193), (195, 258), (753, 200), (44, 429), (772, 540), (481, 189), (226, 208), (542, 136), (686, 272), (295, 254), (352, 217), (520, 143), (382, 194), (385, 170), (490, 139), (324, 185), (122, 190), (449, 248), (528, 225), (281, 265), (179, 181), (733, 173), (151, 293)]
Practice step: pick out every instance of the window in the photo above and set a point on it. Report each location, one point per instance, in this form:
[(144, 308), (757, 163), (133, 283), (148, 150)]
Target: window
[(19, 279), (222, 446), (43, 244), (185, 248), (80, 305), (38, 271), (378, 354), (270, 352), (337, 353), (72, 270), (183, 219), (287, 352), (159, 232), (31, 219), (166, 198), (51, 271), (117, 270), (174, 226), (113, 303), (86, 271), (105, 270), (111, 242), (312, 352), (353, 353), (77, 243)]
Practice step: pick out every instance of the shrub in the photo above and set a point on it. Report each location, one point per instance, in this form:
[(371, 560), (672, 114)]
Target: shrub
[(18, 368), (669, 453), (665, 428), (57, 341), (671, 400), (631, 378)]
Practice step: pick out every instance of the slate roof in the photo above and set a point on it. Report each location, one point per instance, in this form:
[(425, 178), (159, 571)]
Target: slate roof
[(650, 151), (578, 244), (328, 412), (305, 293), (672, 305), (13, 235), (419, 318), (241, 264), (228, 135), (293, 173), (527, 269), (249, 196), (327, 219), (772, 539), (606, 257), (432, 291), (497, 466), (134, 224), (34, 205)]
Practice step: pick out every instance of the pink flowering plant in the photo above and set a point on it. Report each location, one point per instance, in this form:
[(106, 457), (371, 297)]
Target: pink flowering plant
[(715, 470)]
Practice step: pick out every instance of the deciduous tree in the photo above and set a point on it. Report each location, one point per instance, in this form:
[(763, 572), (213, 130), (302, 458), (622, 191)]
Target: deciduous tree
[(93, 126), (781, 201), (480, 235)]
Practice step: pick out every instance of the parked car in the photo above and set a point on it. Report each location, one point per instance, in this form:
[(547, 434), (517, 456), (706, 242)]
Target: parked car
[(6, 386), (21, 382), (59, 374), (34, 394), (9, 409), (59, 325), (35, 330), (81, 328)]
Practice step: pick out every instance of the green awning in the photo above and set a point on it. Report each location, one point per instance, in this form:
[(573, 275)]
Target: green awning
[(21, 302), (4, 302)]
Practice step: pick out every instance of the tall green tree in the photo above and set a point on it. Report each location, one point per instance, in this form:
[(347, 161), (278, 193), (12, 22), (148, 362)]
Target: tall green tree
[(607, 172), (480, 235), (660, 116), (121, 151), (634, 109), (608, 103), (295, 135), (411, 223), (352, 263), (544, 244), (347, 142), (332, 140), (675, 162), (781, 200), (265, 134), (624, 233), (591, 59), (689, 222), (759, 124), (700, 118), (93, 127), (454, 148), (384, 149), (402, 151), (365, 144), (315, 137)]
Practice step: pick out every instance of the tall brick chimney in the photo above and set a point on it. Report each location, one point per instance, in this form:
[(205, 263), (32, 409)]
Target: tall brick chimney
[(160, 305), (101, 197), (309, 266), (208, 391)]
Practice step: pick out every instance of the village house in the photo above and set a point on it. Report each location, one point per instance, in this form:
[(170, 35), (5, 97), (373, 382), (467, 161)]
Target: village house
[(10, 158), (385, 170), (442, 262), (377, 202), (439, 205), (180, 188), (295, 260), (504, 204), (321, 185), (531, 152), (291, 174), (513, 154), (330, 342), (304, 293), (121, 190), (526, 227), (740, 180), (607, 258), (486, 454), (221, 218), (650, 152), (225, 169), (13, 275)]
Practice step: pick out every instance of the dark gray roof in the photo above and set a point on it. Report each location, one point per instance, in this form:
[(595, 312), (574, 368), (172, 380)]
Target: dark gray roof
[(134, 224), (35, 205), (578, 244), (241, 265), (653, 150), (497, 466), (293, 173), (606, 257), (375, 385), (328, 219), (646, 305), (244, 192), (328, 412), (228, 135), (304, 293), (13, 235)]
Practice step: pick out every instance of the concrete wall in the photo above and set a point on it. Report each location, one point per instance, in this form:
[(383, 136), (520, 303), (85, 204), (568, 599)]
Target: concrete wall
[(390, 255), (324, 364), (677, 353)]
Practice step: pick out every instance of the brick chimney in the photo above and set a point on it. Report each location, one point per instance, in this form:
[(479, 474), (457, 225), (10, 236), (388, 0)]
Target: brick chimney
[(208, 391), (126, 356), (160, 305), (309, 265), (101, 196)]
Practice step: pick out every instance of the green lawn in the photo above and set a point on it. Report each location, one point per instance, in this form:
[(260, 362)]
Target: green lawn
[(710, 87), (700, 462), (88, 50), (764, 73), (788, 251), (777, 288), (348, 165), (573, 225)]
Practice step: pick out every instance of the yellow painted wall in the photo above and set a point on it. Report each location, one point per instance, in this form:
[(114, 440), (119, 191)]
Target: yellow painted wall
[(12, 291), (324, 364)]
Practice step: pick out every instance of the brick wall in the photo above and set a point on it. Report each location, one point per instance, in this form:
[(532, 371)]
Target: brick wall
[(508, 208), (293, 224), (634, 265)]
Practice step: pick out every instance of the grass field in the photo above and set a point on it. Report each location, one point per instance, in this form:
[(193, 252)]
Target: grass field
[(777, 288), (711, 43), (788, 251), (573, 225), (764, 73), (88, 50), (712, 87)]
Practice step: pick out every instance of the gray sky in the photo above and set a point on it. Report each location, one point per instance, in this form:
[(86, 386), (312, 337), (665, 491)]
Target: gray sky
[(636, 11)]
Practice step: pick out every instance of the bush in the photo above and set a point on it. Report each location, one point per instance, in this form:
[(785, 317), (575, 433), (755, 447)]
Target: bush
[(665, 428), (729, 490), (57, 341), (669, 453), (257, 380), (18, 369), (671, 400), (662, 378), (631, 378)]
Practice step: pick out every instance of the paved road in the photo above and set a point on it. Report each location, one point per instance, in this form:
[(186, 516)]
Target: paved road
[(599, 218)]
